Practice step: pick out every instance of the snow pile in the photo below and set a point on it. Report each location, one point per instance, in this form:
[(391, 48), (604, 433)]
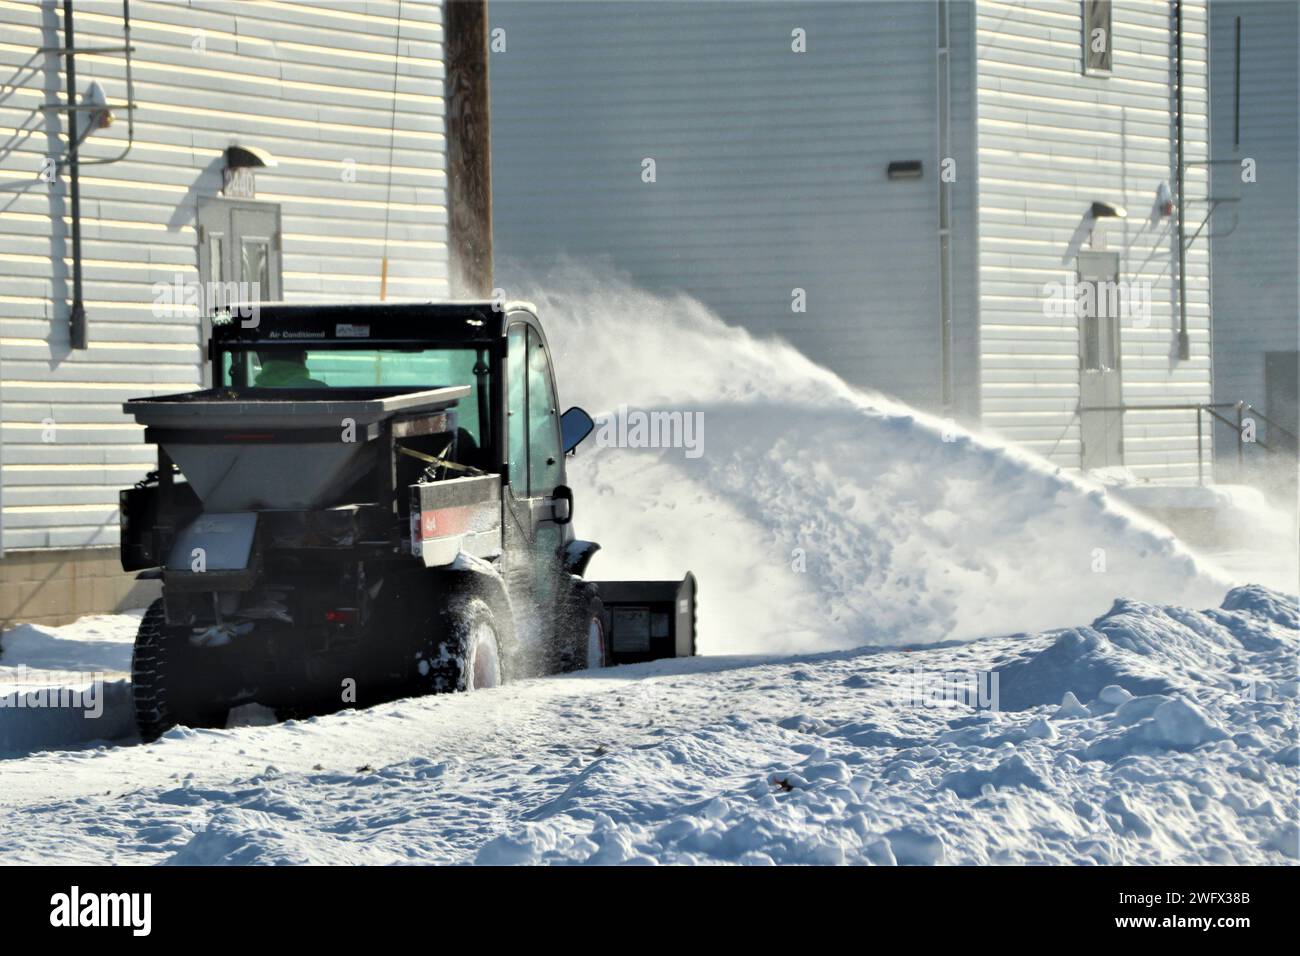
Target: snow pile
[(822, 516), (1201, 773), (95, 643), (1138, 648), (62, 686)]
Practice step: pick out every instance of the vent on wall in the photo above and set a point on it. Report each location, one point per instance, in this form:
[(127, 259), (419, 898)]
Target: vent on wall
[(905, 169)]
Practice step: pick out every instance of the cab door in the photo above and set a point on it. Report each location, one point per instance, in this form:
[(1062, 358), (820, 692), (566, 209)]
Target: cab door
[(534, 540)]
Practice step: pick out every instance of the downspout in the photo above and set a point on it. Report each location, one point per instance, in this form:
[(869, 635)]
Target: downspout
[(1236, 91), (77, 316), (1184, 344)]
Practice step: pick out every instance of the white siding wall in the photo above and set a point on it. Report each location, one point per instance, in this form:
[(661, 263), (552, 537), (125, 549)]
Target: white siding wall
[(1256, 263), (771, 166), (964, 200), (1052, 140), (311, 83)]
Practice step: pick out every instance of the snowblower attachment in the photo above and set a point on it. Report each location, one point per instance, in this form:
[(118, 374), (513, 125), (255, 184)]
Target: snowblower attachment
[(648, 620)]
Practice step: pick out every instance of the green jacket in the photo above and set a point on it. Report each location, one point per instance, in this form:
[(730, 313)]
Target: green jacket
[(277, 373)]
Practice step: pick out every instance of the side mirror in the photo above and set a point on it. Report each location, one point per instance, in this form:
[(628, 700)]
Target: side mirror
[(575, 425)]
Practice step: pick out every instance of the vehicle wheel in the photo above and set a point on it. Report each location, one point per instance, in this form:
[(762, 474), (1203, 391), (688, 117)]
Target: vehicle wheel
[(465, 653), (582, 629), (164, 680)]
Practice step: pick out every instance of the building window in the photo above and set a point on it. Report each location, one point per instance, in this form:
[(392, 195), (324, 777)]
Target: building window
[(1097, 47), (1100, 303)]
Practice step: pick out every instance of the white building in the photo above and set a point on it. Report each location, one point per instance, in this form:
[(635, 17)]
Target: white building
[(785, 140), (1255, 68), (344, 104)]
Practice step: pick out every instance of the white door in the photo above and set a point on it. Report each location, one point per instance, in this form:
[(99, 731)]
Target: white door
[(239, 242), (1101, 423)]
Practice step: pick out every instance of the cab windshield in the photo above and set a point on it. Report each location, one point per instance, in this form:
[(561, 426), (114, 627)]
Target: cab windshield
[(281, 366)]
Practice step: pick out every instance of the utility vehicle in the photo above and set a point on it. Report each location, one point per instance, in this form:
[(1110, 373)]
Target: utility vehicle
[(370, 502)]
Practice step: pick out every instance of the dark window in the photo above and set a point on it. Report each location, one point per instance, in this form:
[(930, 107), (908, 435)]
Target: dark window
[(1091, 343), (1282, 399), (1099, 304), (1097, 47), (1100, 329)]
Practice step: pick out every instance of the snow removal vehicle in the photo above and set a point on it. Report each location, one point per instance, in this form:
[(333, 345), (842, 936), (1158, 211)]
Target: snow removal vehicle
[(370, 503)]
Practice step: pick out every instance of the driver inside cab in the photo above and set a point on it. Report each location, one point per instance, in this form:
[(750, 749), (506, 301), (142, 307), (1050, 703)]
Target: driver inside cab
[(285, 369)]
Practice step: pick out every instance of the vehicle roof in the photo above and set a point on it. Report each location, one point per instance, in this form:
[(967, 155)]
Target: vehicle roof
[(468, 320)]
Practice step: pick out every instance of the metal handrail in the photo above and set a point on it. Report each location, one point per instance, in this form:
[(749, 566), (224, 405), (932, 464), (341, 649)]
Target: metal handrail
[(1270, 422), (1211, 409)]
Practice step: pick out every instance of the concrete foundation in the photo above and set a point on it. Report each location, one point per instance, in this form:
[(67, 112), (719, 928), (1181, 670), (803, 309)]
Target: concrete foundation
[(58, 586)]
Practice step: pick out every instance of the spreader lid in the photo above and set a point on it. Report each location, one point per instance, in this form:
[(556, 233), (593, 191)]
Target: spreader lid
[(288, 407)]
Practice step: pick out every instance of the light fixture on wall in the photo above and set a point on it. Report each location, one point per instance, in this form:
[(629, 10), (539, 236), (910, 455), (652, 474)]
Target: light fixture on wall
[(1164, 200), (1107, 210), (237, 178), (97, 113)]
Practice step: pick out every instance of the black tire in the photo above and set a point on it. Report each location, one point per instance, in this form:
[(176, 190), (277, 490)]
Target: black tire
[(465, 651), (581, 612), (164, 680)]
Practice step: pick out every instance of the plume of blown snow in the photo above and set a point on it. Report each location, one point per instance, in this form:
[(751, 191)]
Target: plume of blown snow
[(818, 515)]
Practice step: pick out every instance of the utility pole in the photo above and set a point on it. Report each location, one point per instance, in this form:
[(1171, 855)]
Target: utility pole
[(469, 149)]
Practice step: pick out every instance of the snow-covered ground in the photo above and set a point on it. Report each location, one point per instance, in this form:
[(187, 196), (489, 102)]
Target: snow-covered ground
[(895, 666), (1157, 735)]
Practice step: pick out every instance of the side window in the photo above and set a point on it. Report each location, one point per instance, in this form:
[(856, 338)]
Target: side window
[(544, 454), (1097, 51), (1091, 343), (1099, 306), (517, 408)]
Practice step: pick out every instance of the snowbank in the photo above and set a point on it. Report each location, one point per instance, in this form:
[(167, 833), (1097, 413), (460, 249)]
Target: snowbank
[(1202, 771), (821, 516), (65, 686)]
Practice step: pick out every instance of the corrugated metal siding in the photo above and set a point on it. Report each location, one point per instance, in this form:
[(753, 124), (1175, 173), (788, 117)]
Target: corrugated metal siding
[(311, 83), (1256, 263), (964, 199), (771, 165), (1051, 141)]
